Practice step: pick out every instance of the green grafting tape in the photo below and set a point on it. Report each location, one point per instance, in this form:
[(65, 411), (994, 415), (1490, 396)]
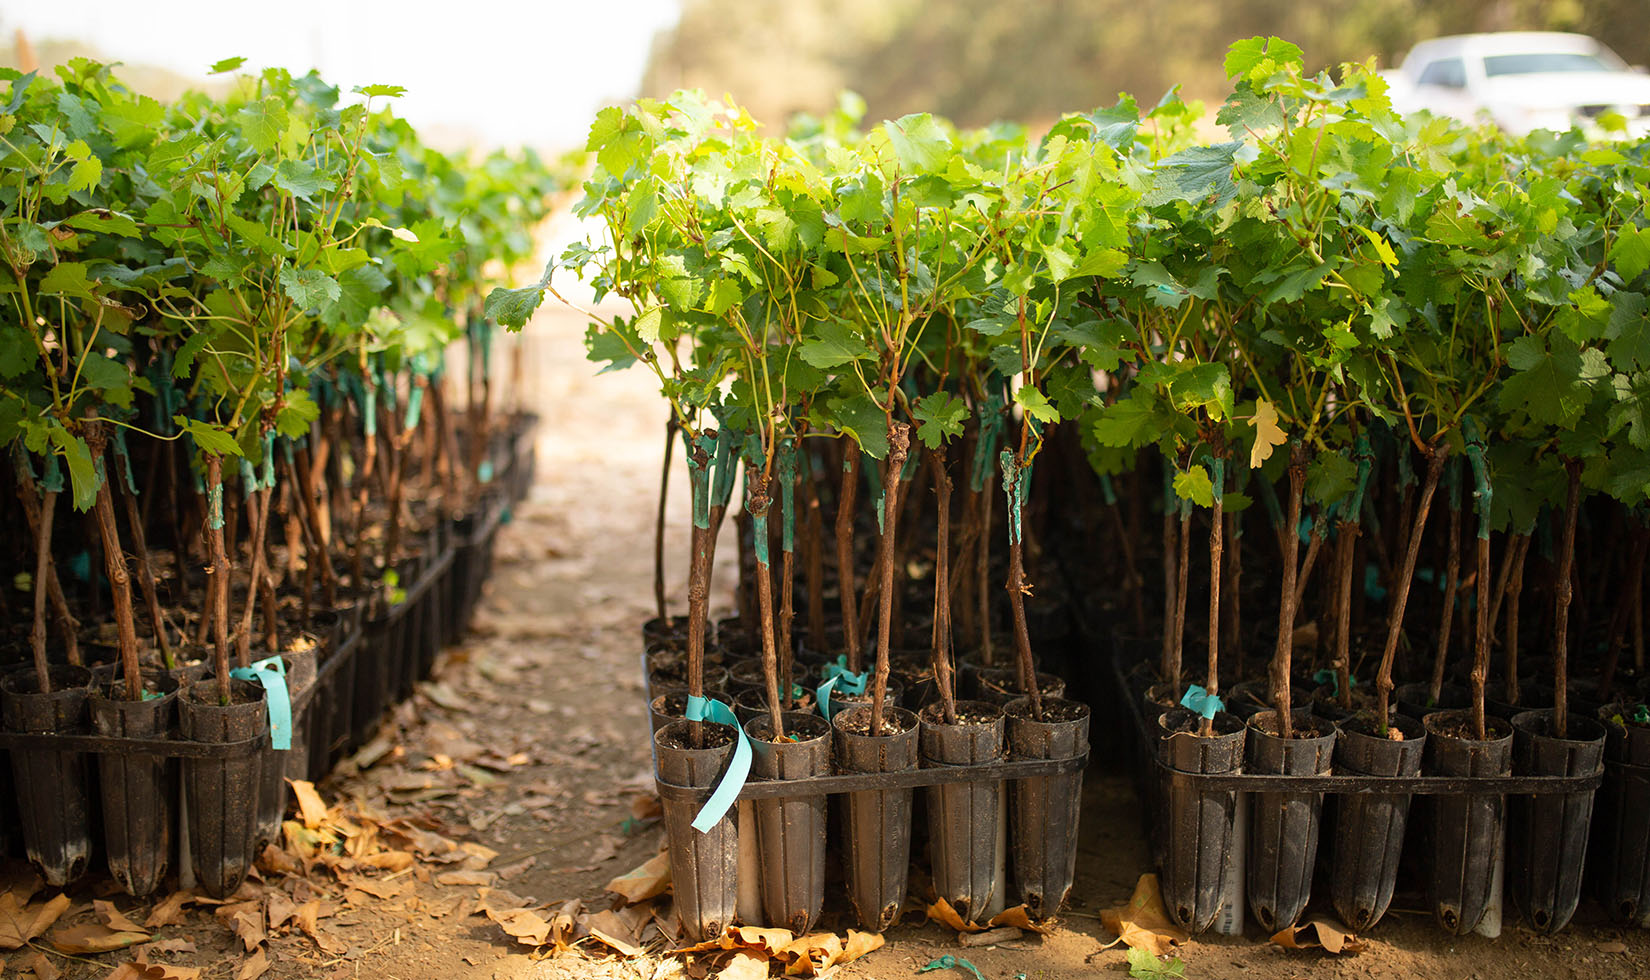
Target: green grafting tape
[(876, 501), (1107, 491), (759, 529), (214, 506), (1217, 476), (837, 675), (949, 962), (1406, 470), (415, 407), (249, 482), (266, 478), (909, 468), (699, 479), (54, 475), (1452, 482), (787, 495), (990, 414), (1016, 479), (1331, 677), (1366, 465), (125, 458), (369, 409), (725, 465)]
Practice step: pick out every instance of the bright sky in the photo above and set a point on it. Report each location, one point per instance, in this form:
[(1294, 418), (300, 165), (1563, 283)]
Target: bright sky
[(512, 73)]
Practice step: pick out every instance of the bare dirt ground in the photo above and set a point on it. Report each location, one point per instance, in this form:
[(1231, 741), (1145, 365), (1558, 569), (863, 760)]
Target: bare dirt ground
[(530, 749)]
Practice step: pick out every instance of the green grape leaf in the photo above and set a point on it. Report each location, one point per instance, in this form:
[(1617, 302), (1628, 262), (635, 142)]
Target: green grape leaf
[(82, 471), (920, 143), (295, 416), (67, 279), (864, 421), (1631, 252), (1145, 966), (513, 307), (264, 121), (1036, 404), (833, 345), (1195, 485), (1331, 477), (109, 378), (940, 417), (381, 91), (210, 438), (1552, 386), (310, 288), (225, 65)]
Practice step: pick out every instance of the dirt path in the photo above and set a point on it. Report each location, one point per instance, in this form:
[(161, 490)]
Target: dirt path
[(530, 750)]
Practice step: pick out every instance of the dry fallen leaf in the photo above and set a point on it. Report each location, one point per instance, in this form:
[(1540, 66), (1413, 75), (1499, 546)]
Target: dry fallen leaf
[(942, 912), (650, 880), (246, 919), (610, 929), (310, 806), (153, 971), (1319, 932), (167, 947), (111, 917), (744, 966), (20, 923), (254, 966), (1143, 923), (465, 878), (169, 911), (523, 925), (41, 966), (1019, 917), (94, 937)]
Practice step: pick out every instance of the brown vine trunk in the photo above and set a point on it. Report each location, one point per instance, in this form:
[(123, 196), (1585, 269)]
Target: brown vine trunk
[(698, 606), (899, 441), (217, 576), (42, 570), (1232, 601), (1345, 548), (1217, 526), (1481, 642), (1177, 648), (845, 551), (982, 577), (1169, 656), (942, 587), (758, 507), (1400, 588), (257, 511), (1283, 652), (1452, 582), (146, 574), (1314, 544), (1562, 593)]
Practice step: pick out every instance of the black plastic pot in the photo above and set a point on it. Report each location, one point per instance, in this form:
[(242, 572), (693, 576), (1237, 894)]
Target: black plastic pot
[(1623, 833), (1468, 831), (1044, 811), (279, 765), (790, 832), (223, 794), (1198, 825), (1283, 827), (704, 868), (139, 790), (1369, 827), (962, 817), (877, 826), (1547, 834), (53, 787)]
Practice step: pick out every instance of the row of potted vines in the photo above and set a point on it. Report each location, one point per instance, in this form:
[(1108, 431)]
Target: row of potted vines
[(233, 438), (1343, 318)]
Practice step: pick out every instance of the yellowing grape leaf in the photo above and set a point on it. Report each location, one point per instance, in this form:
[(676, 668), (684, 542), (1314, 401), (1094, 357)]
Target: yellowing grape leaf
[(1268, 434)]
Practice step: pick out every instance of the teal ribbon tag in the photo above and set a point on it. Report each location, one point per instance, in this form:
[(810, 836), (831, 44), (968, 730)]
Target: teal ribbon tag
[(1200, 701), (739, 769), (837, 673), (949, 962), (1641, 715), (270, 674), (1329, 676)]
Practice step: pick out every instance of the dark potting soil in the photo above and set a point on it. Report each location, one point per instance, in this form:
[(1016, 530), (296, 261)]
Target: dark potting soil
[(1461, 727), (934, 714), (713, 737), (860, 724), (1300, 727), (1363, 723), (1054, 710)]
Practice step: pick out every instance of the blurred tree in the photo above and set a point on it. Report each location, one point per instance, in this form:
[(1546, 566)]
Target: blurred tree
[(980, 60)]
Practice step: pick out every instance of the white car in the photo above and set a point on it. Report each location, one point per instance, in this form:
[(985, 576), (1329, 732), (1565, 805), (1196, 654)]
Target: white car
[(1523, 81)]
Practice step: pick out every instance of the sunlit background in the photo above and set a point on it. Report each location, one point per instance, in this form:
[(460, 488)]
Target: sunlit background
[(498, 72)]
